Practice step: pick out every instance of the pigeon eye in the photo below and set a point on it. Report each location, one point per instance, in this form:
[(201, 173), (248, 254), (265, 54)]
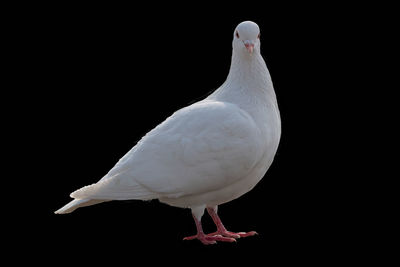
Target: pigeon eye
[(237, 34), (258, 37)]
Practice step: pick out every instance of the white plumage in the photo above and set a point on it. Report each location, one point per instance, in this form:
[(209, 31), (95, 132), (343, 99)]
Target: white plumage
[(208, 153)]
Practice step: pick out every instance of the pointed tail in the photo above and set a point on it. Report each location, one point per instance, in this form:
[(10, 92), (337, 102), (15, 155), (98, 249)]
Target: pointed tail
[(77, 203)]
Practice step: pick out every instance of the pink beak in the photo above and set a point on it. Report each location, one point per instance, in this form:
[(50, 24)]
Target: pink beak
[(249, 46)]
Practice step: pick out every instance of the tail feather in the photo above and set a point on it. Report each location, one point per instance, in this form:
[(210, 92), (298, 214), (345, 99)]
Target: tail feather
[(114, 189), (77, 203)]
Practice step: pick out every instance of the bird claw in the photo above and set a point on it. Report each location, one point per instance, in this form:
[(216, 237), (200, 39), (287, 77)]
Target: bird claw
[(244, 234), (210, 239), (222, 236), (234, 235)]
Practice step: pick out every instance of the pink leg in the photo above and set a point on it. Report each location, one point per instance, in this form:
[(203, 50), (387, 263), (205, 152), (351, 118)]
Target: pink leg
[(207, 239), (221, 230)]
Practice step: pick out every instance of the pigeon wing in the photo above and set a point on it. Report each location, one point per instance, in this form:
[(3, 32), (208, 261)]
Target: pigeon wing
[(200, 148)]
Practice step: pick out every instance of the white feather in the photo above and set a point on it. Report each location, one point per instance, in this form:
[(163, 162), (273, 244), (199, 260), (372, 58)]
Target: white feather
[(77, 203), (208, 153)]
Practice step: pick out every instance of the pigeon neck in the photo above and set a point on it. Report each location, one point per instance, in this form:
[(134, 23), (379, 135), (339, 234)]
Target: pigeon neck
[(250, 71), (248, 82)]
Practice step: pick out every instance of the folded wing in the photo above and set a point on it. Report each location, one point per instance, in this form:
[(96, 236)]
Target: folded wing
[(200, 148)]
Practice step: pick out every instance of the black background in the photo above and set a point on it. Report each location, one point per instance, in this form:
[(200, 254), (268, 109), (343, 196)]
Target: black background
[(102, 76)]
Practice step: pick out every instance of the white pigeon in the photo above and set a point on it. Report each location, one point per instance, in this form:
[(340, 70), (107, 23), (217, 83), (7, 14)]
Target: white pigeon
[(205, 154)]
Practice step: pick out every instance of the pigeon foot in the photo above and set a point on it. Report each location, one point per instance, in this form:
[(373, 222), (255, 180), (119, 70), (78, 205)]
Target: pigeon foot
[(210, 239), (226, 233)]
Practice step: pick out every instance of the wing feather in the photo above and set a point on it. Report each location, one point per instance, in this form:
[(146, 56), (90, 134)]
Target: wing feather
[(200, 148)]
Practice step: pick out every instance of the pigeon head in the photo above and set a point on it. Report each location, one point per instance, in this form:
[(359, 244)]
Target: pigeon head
[(246, 38)]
